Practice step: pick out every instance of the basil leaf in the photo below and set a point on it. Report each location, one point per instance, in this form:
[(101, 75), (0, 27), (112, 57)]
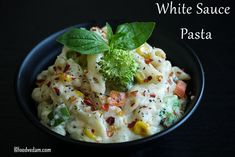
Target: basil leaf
[(129, 36), (83, 41), (109, 31)]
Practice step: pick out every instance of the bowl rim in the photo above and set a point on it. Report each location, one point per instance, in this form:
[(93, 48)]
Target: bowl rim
[(33, 119)]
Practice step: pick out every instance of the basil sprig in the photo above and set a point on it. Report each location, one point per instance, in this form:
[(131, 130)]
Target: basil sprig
[(128, 36), (83, 41)]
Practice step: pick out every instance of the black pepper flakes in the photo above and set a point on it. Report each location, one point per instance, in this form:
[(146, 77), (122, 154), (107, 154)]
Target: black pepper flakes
[(144, 92)]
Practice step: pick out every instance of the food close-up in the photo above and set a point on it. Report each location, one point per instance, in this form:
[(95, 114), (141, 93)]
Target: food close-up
[(110, 86)]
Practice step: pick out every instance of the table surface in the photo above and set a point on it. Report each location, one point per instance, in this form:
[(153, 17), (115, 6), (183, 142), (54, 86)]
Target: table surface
[(210, 131)]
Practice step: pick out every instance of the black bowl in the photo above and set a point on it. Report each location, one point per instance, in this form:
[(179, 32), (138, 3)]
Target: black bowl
[(44, 54)]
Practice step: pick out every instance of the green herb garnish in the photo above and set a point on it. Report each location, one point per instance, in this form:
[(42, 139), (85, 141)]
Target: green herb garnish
[(118, 64), (59, 115), (130, 36), (83, 41), (169, 116)]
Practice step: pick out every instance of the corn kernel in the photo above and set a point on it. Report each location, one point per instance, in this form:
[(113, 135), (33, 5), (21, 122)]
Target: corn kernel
[(78, 93), (140, 77), (89, 133), (141, 128), (65, 77), (120, 113)]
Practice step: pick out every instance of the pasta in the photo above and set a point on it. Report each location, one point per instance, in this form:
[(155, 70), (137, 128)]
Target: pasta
[(74, 98)]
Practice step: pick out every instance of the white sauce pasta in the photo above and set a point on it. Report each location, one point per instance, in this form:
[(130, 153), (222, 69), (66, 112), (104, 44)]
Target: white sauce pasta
[(73, 97)]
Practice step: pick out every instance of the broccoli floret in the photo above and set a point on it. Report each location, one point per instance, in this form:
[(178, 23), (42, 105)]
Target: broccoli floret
[(119, 67)]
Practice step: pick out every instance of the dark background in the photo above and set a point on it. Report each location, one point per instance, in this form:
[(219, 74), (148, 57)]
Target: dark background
[(210, 131)]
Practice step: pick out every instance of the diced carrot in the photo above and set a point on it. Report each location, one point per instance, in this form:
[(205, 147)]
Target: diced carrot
[(180, 88), (116, 98)]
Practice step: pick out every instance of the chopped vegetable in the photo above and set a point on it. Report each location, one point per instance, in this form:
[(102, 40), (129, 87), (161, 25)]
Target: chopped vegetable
[(116, 98), (171, 101), (78, 93), (120, 113), (162, 113), (88, 132), (180, 88), (141, 128), (118, 66), (169, 116), (169, 120), (59, 115), (65, 77)]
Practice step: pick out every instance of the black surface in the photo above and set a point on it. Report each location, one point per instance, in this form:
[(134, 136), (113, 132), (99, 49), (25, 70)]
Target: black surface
[(209, 132)]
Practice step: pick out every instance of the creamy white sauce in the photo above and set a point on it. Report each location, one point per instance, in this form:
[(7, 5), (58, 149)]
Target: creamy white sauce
[(71, 87)]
